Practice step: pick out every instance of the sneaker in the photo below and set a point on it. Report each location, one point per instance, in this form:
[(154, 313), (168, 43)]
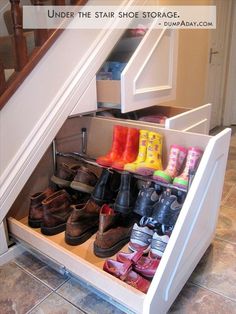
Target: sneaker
[(158, 245), (147, 197), (140, 239), (167, 210)]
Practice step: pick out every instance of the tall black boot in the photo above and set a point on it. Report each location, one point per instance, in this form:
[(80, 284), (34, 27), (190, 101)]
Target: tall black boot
[(127, 195), (107, 187)]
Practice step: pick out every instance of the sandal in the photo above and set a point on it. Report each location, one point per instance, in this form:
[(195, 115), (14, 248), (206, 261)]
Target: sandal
[(124, 272), (143, 265)]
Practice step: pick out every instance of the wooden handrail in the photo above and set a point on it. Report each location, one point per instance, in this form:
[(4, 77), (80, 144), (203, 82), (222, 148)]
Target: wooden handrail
[(59, 2), (19, 38), (2, 79), (43, 41)]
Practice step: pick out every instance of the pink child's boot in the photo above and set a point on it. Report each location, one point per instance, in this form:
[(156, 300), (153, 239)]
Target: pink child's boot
[(176, 159), (193, 159)]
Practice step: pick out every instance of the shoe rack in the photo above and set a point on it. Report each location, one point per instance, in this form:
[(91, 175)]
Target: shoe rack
[(190, 238)]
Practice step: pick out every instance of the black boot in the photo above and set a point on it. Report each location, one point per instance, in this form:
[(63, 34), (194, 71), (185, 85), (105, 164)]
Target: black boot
[(127, 195), (106, 188)]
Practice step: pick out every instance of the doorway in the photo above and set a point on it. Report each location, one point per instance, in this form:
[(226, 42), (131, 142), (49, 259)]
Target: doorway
[(218, 61)]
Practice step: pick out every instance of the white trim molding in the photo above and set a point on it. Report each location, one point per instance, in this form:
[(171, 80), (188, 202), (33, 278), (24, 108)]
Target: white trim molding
[(229, 116)]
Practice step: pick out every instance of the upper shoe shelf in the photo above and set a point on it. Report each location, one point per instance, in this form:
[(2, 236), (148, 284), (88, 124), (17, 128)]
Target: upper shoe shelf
[(149, 77)]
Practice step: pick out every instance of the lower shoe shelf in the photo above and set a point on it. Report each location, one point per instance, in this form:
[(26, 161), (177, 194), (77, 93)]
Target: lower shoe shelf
[(79, 260), (192, 234)]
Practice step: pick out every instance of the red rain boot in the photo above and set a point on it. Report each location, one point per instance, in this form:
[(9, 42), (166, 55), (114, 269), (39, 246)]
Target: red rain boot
[(131, 149), (118, 146)]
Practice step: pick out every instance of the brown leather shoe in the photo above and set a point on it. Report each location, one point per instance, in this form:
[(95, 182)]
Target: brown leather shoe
[(85, 180), (65, 174), (56, 211), (82, 223), (36, 208), (107, 218), (110, 240)]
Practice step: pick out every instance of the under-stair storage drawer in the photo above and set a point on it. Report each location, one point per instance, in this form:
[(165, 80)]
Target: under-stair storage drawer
[(195, 120), (192, 234), (143, 71)]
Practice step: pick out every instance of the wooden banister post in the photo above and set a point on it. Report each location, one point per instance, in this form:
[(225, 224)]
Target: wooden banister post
[(2, 79), (78, 2), (41, 35), (19, 39), (59, 2)]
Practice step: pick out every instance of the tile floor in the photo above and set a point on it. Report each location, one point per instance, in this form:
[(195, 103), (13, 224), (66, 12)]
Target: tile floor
[(28, 285)]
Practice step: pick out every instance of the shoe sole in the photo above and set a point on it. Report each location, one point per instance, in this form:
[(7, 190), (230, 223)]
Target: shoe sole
[(53, 230), (60, 182), (81, 187), (99, 252), (80, 239), (34, 223), (145, 171)]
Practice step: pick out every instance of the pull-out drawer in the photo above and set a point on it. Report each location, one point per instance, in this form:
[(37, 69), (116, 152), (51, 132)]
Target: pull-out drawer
[(149, 76), (190, 238), (195, 120)]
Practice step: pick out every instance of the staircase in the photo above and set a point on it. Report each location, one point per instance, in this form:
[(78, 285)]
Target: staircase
[(21, 50)]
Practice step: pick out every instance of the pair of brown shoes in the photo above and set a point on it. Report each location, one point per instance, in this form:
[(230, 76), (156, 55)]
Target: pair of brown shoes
[(77, 176), (50, 210), (114, 231), (84, 220), (114, 223)]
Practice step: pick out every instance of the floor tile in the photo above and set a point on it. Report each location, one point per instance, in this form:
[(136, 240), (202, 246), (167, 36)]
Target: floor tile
[(230, 175), (19, 291), (230, 199), (54, 304), (231, 164), (39, 269), (226, 189), (217, 269), (84, 299), (29, 262), (197, 300), (233, 141), (226, 228)]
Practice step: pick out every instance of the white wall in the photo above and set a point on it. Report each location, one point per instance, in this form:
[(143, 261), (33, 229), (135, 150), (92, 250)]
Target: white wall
[(230, 95)]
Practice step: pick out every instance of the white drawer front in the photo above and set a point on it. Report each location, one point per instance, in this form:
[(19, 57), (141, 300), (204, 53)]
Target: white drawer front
[(149, 78)]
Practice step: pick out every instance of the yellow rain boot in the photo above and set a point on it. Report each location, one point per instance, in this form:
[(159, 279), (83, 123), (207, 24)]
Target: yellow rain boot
[(142, 152), (154, 153)]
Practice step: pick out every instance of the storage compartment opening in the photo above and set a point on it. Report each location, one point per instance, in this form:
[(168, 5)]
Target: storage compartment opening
[(108, 77), (143, 73), (154, 114), (80, 259)]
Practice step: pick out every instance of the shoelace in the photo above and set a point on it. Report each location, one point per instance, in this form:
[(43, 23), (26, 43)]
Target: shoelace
[(149, 222)]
